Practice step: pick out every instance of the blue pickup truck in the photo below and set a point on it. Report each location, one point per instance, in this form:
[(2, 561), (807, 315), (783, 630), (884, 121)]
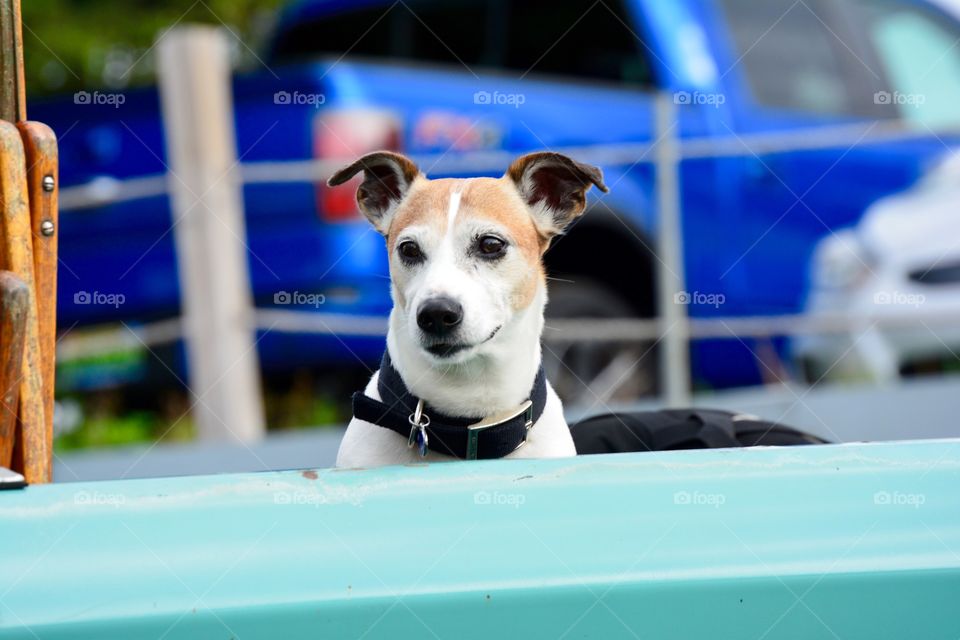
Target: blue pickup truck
[(473, 79)]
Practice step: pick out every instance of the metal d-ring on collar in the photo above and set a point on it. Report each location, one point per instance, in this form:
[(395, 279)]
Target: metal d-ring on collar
[(419, 421)]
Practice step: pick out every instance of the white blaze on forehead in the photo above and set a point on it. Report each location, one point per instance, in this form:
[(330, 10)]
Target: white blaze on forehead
[(442, 275), (454, 206)]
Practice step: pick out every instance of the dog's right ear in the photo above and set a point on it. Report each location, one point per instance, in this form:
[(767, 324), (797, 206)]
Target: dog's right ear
[(386, 178)]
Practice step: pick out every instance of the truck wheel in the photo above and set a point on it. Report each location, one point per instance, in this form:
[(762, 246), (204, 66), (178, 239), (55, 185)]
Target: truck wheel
[(592, 374)]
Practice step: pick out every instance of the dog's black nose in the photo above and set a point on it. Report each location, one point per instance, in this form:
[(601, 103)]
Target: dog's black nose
[(439, 316)]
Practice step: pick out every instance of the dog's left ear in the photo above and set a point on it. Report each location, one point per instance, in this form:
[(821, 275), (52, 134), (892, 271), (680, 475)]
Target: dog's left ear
[(555, 187), (386, 178)]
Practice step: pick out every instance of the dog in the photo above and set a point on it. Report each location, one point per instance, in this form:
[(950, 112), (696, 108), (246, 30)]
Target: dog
[(462, 376)]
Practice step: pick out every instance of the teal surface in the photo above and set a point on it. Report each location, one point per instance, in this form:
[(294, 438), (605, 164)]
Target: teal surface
[(847, 541)]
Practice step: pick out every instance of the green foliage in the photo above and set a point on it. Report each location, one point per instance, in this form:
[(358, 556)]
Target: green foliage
[(305, 404), (117, 417), (87, 44), (124, 429)]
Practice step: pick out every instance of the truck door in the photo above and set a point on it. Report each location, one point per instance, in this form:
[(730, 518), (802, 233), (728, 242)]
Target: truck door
[(854, 68)]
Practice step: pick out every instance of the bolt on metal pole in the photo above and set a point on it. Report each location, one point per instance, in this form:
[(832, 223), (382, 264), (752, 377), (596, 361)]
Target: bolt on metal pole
[(675, 331)]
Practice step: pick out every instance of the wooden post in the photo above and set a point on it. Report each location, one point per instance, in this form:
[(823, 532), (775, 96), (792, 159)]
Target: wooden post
[(35, 438), (28, 249), (14, 301), (40, 149), (210, 233), (13, 102)]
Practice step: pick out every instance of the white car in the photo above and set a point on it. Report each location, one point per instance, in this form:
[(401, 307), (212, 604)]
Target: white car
[(894, 279)]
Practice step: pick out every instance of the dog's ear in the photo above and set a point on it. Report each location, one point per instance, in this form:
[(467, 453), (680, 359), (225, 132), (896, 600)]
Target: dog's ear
[(555, 187), (386, 178)]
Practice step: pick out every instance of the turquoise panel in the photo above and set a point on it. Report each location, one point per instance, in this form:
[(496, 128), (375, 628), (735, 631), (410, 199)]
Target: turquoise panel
[(846, 541)]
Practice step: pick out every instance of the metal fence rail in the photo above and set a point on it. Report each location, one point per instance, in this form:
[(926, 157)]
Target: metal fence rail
[(557, 331), (106, 190)]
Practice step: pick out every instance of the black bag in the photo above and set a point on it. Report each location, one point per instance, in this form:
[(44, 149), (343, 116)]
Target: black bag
[(681, 429)]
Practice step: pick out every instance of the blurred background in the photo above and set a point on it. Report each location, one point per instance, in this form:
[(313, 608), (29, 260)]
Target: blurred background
[(781, 237)]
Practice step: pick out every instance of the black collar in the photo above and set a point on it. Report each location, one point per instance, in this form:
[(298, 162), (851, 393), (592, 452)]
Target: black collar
[(464, 438)]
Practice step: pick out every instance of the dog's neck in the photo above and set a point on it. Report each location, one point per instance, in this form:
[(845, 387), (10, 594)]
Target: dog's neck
[(497, 379)]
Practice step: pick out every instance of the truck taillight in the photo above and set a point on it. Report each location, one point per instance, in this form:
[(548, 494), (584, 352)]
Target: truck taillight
[(342, 137)]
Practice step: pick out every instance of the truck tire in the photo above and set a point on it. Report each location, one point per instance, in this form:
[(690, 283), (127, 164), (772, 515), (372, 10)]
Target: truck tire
[(592, 374)]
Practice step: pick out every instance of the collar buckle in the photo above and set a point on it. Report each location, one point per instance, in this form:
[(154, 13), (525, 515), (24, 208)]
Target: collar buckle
[(474, 430)]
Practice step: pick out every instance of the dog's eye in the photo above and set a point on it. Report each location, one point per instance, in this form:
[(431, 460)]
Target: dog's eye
[(410, 251), (491, 246)]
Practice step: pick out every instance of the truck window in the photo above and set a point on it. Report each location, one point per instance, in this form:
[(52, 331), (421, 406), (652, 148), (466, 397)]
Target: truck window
[(920, 58), (447, 32), (362, 32), (579, 38), (797, 55), (571, 38), (434, 31)]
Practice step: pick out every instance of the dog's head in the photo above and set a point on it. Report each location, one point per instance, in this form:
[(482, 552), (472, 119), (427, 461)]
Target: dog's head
[(466, 254)]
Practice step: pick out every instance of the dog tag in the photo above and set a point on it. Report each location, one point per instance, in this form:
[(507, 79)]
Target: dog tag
[(412, 440), (418, 430), (422, 442)]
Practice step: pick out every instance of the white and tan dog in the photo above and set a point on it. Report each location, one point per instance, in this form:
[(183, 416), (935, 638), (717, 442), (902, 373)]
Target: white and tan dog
[(469, 291)]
